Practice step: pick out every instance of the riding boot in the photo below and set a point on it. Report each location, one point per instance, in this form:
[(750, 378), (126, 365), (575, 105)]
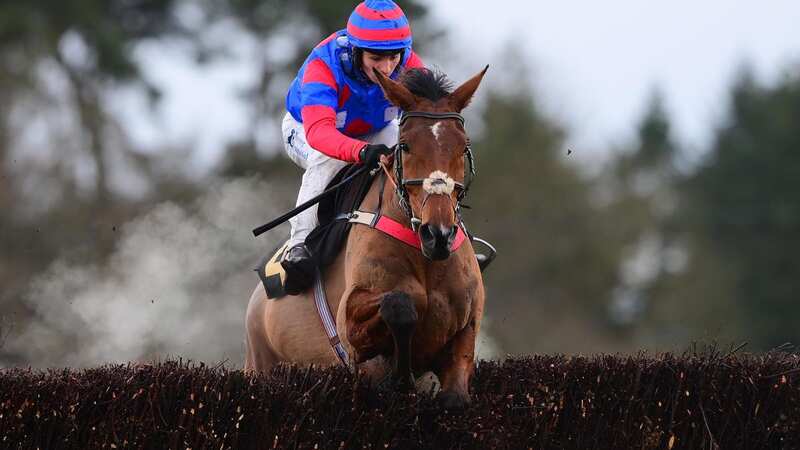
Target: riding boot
[(300, 267), (296, 255)]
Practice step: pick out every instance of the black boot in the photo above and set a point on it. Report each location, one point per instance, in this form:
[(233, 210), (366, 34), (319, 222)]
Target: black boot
[(296, 255), (300, 267)]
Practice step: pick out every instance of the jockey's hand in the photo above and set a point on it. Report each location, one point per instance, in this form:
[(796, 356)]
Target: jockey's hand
[(371, 154)]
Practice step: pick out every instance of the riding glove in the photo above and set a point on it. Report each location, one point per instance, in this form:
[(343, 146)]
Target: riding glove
[(371, 154)]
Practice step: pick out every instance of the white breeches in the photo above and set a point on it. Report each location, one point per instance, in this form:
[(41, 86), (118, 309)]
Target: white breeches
[(320, 169)]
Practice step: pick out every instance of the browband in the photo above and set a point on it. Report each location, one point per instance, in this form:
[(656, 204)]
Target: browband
[(431, 115)]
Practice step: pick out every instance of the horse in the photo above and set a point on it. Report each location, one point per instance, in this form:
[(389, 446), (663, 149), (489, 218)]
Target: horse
[(399, 310)]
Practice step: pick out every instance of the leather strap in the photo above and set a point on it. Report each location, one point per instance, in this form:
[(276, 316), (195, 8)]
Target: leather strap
[(431, 115), (397, 230), (327, 320)]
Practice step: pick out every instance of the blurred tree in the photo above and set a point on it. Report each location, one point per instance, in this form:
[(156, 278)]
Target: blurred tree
[(656, 303), (548, 289), (90, 44), (59, 61), (639, 184), (744, 197)]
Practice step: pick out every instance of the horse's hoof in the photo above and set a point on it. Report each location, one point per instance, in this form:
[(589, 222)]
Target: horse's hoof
[(376, 370), (428, 384), (452, 400)]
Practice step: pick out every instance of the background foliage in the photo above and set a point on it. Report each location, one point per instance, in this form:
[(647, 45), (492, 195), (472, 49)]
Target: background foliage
[(645, 252)]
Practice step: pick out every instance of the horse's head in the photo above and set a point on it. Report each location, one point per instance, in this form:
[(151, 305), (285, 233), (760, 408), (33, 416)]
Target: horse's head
[(433, 156)]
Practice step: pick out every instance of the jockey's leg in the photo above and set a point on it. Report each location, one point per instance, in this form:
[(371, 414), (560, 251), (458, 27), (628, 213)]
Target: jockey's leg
[(320, 170)]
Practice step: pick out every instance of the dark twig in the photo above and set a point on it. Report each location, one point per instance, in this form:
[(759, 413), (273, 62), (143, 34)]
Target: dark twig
[(741, 346), (782, 373), (705, 420), (786, 346)]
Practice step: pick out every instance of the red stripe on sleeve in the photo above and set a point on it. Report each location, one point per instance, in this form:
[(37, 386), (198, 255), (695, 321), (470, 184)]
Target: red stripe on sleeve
[(319, 72), (319, 123)]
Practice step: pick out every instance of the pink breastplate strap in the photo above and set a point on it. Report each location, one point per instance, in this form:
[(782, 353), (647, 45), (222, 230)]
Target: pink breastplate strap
[(397, 230)]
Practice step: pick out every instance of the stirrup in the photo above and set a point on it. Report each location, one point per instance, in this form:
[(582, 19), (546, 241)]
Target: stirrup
[(485, 260)]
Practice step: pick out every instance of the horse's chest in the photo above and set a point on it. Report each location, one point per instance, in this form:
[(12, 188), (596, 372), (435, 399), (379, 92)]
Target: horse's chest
[(455, 304), (451, 305)]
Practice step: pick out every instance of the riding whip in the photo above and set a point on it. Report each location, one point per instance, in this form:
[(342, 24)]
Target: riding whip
[(311, 202)]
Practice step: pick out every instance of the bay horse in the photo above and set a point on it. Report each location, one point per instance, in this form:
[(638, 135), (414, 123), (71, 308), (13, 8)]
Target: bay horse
[(399, 310)]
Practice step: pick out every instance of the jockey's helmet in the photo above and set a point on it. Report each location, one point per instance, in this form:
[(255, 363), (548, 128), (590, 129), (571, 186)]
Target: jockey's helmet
[(379, 26)]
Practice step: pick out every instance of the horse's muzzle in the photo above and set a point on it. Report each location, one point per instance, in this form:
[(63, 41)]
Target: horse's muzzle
[(437, 240)]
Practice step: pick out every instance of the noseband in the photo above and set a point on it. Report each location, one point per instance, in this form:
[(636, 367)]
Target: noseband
[(401, 183)]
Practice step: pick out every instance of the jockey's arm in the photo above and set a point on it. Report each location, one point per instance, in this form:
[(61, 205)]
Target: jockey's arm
[(320, 98), (319, 113), (319, 123)]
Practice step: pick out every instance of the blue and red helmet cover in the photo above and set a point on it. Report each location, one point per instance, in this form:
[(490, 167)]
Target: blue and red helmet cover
[(379, 25)]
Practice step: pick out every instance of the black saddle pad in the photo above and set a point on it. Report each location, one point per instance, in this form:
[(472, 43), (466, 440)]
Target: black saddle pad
[(326, 241)]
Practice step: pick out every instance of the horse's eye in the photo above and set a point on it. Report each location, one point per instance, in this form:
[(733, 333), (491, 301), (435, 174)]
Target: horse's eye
[(404, 147)]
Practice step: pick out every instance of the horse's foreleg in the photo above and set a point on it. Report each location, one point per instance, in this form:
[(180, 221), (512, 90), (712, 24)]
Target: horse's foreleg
[(398, 311), (367, 333), (455, 367), (382, 325)]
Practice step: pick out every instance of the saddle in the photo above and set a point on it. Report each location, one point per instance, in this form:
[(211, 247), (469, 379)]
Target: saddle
[(324, 242)]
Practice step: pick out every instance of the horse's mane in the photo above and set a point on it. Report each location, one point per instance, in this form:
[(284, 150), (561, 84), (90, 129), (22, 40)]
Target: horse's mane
[(426, 83)]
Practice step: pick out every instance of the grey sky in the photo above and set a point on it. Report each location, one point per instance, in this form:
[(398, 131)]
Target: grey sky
[(594, 64)]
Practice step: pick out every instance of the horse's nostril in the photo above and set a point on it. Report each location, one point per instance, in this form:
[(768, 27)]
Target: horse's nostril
[(425, 233), (452, 234), (438, 235)]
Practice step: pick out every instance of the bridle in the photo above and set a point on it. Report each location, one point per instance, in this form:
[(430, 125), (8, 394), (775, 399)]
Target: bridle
[(401, 184)]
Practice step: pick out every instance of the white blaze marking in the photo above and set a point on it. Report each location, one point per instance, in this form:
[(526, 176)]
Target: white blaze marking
[(435, 130), (438, 182)]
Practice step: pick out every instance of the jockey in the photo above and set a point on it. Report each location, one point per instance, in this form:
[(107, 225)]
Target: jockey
[(337, 112)]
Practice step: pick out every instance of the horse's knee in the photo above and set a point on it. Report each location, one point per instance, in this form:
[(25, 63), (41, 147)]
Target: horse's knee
[(398, 311)]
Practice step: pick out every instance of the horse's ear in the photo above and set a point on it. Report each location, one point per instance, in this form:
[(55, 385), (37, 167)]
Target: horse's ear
[(461, 97), (396, 93)]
